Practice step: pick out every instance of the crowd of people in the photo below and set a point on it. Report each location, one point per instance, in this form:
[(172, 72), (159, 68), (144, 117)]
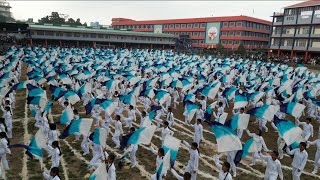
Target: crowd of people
[(110, 84)]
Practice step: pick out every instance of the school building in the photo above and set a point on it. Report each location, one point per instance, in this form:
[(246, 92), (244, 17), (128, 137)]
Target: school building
[(207, 32), (296, 31)]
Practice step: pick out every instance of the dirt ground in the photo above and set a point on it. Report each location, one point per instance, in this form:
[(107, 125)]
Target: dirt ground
[(75, 166)]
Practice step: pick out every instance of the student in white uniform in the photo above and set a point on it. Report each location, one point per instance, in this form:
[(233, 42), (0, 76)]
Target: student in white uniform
[(168, 102), (159, 154), (85, 145), (7, 115), (281, 143), (203, 103), (111, 169), (53, 175), (146, 103), (4, 150), (260, 145), (175, 98), (317, 155), (170, 117), (200, 114), (165, 130), (193, 163), (186, 175), (55, 154), (132, 150), (224, 169), (219, 111), (239, 131), (300, 157), (131, 116), (230, 159), (273, 166), (117, 132), (198, 132), (307, 128)]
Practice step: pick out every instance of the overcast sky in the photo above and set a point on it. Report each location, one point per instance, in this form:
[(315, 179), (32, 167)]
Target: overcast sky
[(104, 11)]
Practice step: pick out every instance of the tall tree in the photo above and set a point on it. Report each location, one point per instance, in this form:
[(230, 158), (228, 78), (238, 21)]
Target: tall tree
[(55, 18), (241, 49)]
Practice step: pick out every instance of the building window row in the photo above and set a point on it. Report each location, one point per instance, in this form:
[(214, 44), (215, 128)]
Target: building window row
[(178, 26), (244, 33), (135, 27), (245, 43), (247, 24), (196, 33), (99, 36)]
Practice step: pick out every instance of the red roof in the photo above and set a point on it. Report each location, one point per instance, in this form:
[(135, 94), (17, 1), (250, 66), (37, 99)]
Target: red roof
[(305, 4), (122, 22)]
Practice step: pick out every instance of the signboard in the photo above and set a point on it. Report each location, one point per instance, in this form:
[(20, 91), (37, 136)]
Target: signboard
[(157, 28), (212, 33)]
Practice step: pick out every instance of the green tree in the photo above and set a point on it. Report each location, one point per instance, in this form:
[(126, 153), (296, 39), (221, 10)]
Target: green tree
[(241, 50), (55, 18)]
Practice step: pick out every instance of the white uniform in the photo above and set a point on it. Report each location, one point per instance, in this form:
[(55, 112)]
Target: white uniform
[(131, 117), (222, 175), (307, 130), (193, 163), (117, 133), (170, 119), (47, 176), (230, 158), (8, 120), (198, 133), (259, 143), (164, 132), (298, 162), (317, 155), (273, 168), (55, 157), (3, 151), (159, 159)]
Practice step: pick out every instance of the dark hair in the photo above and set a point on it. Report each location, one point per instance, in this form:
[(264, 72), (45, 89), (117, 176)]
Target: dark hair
[(161, 150), (194, 144), (260, 132), (303, 144), (227, 165), (169, 109), (276, 153), (111, 156), (52, 126), (186, 176), (199, 120), (132, 129), (55, 170), (220, 103), (118, 117), (308, 119), (56, 143), (131, 107), (166, 123), (3, 135), (242, 109), (144, 113), (75, 111)]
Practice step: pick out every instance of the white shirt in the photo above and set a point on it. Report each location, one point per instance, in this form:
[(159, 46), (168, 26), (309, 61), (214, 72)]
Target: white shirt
[(118, 128), (273, 167), (307, 128), (198, 130), (259, 141), (299, 159), (317, 143), (165, 132)]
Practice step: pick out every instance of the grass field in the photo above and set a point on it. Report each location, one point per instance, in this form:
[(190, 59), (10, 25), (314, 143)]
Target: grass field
[(73, 165)]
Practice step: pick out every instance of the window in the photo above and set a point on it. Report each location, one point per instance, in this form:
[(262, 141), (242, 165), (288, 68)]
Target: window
[(239, 24), (224, 33), (201, 33), (189, 33), (301, 43), (237, 33), (196, 25), (189, 25), (201, 41), (231, 24), (85, 35), (177, 33), (107, 37), (59, 34), (68, 34), (93, 35), (225, 24), (315, 43), (171, 26), (76, 34), (236, 42), (224, 42), (195, 33), (100, 35), (230, 42), (165, 26), (177, 25), (183, 25), (40, 33), (203, 25), (290, 18)]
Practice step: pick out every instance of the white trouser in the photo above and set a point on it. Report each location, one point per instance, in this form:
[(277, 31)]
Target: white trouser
[(116, 140), (295, 174), (197, 139), (239, 133)]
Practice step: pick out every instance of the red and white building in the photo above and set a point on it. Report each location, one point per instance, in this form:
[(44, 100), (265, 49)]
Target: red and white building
[(207, 32)]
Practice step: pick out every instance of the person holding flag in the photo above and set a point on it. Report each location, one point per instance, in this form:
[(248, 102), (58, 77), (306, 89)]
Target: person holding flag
[(193, 163), (273, 166)]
